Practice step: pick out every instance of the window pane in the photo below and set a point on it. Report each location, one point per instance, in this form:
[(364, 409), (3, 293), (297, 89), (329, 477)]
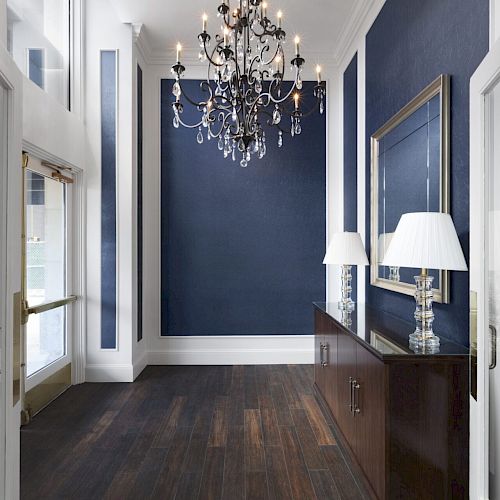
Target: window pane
[(45, 339), (45, 239), (45, 214), (38, 40)]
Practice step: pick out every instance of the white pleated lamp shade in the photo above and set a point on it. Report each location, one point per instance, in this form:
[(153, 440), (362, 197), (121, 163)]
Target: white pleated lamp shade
[(426, 240), (346, 249), (384, 240)]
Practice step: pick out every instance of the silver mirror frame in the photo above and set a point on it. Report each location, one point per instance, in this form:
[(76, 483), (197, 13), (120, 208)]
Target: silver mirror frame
[(440, 85)]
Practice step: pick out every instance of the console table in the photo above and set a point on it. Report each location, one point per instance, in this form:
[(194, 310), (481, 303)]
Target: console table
[(403, 417)]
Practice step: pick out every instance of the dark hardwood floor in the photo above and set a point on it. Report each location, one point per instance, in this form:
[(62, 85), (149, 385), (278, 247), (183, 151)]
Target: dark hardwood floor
[(217, 432)]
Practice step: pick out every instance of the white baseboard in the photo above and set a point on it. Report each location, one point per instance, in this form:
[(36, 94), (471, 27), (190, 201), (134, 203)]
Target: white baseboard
[(140, 364), (234, 350), (109, 373)]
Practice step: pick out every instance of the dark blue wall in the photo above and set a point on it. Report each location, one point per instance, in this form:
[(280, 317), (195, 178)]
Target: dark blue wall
[(408, 46), (242, 248), (108, 199), (351, 156), (139, 203)]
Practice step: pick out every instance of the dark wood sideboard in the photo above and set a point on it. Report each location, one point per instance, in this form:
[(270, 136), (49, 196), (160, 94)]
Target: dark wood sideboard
[(403, 417)]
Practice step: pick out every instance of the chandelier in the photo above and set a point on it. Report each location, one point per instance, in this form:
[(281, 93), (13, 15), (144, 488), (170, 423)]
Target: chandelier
[(246, 91)]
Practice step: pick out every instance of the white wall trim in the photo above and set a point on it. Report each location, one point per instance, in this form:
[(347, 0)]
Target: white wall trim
[(109, 373), (235, 350), (140, 364)]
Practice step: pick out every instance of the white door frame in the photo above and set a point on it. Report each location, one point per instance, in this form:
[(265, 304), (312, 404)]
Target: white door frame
[(482, 82), (11, 78)]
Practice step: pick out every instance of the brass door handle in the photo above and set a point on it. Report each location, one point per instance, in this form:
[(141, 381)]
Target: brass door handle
[(493, 344)]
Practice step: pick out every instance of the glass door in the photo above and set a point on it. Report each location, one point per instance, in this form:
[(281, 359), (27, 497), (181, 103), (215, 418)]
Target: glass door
[(47, 192)]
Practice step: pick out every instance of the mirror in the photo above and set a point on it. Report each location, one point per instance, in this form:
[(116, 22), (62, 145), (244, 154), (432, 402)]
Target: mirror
[(410, 173)]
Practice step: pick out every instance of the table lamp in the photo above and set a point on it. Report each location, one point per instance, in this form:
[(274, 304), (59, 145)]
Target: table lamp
[(384, 240), (347, 250), (426, 240)]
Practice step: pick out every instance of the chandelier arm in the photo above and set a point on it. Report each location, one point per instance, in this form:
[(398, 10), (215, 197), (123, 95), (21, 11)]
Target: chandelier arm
[(186, 125), (198, 105), (287, 96), (223, 117)]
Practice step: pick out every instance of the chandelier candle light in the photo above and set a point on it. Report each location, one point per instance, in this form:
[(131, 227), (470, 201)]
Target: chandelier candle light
[(246, 91)]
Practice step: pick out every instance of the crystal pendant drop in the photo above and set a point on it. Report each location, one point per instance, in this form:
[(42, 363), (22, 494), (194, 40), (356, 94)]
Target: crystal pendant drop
[(280, 139), (176, 89), (234, 152), (276, 115), (292, 130), (202, 57), (258, 86), (298, 129), (199, 137), (234, 115), (204, 118), (244, 162), (209, 135), (299, 83), (175, 122), (321, 106), (220, 144)]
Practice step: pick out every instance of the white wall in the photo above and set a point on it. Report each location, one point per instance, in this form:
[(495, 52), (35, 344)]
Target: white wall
[(106, 32)]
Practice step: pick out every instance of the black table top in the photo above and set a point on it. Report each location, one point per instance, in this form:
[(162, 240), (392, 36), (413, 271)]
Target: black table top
[(385, 335)]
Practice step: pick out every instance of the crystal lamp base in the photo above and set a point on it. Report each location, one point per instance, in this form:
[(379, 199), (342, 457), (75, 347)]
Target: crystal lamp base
[(346, 303), (423, 338)]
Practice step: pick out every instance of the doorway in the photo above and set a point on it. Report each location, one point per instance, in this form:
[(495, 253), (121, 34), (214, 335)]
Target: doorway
[(46, 258)]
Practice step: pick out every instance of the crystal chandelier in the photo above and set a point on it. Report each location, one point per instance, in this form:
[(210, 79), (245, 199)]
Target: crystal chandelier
[(246, 92)]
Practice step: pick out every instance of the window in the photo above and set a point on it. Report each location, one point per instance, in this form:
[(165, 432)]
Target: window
[(39, 41)]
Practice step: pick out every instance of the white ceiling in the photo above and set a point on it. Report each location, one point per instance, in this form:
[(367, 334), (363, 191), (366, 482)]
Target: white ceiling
[(323, 25)]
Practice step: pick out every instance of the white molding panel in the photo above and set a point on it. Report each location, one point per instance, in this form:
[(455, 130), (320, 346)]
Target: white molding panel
[(235, 350)]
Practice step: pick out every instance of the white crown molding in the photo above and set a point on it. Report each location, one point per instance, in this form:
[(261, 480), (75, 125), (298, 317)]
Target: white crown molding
[(351, 29)]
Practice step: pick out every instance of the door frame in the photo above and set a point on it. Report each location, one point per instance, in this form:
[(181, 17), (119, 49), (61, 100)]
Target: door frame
[(482, 82), (11, 78)]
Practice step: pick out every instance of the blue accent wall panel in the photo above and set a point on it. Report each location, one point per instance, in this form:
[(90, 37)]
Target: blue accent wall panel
[(408, 46), (242, 248), (108, 199), (140, 211), (351, 156)]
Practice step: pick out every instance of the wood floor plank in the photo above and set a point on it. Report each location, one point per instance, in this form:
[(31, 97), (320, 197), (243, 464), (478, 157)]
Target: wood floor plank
[(148, 473), (318, 422), (270, 428), (173, 466), (342, 476), (165, 433), (324, 486), (300, 481), (251, 397), (310, 448), (279, 484), (213, 473), (256, 486), (281, 405), (189, 486), (254, 442), (234, 465), (218, 430)]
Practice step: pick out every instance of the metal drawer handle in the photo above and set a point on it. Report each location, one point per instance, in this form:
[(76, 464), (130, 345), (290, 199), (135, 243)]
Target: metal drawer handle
[(493, 343), (324, 347), (355, 390), (351, 404)]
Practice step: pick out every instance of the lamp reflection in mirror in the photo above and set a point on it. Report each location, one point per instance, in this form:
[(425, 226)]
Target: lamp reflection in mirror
[(426, 240), (384, 240), (347, 250)]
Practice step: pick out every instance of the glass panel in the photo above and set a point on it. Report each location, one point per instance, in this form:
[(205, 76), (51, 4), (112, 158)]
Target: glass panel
[(45, 267), (493, 229), (38, 40), (46, 339)]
